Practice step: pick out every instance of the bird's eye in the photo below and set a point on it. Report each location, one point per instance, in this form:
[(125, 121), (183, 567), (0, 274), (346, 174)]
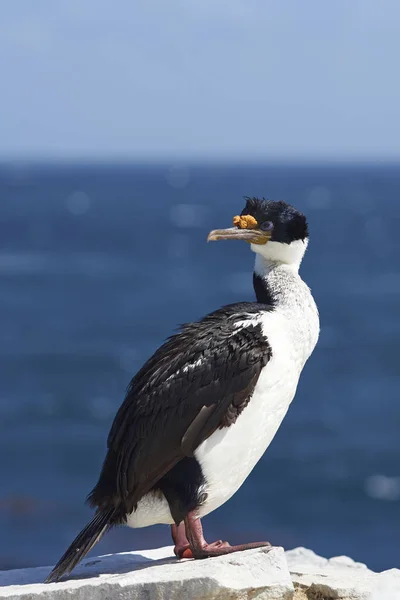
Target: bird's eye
[(266, 226)]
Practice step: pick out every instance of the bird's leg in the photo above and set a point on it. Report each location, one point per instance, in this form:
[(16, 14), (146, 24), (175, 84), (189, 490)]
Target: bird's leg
[(199, 547), (182, 547)]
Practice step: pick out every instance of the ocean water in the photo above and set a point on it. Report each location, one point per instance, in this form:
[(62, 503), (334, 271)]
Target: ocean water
[(98, 264)]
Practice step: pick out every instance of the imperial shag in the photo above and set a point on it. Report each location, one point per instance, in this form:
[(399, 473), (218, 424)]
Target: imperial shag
[(203, 409)]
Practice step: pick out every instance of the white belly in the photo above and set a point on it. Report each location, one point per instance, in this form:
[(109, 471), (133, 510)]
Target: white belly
[(152, 509), (230, 454)]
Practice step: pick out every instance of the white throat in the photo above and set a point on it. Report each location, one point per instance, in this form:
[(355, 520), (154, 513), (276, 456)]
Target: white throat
[(282, 286), (275, 253), (278, 265)]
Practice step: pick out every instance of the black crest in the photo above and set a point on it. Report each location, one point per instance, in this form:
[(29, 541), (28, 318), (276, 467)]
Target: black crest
[(289, 223)]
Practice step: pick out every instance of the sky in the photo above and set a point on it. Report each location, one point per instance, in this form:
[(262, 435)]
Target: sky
[(200, 79)]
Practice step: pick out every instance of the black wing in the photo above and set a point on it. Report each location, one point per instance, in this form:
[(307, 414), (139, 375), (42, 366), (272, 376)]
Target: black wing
[(199, 380)]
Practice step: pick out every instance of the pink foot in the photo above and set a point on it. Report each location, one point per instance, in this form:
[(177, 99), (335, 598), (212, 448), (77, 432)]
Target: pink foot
[(191, 543), (183, 551), (186, 552), (220, 548), (182, 546)]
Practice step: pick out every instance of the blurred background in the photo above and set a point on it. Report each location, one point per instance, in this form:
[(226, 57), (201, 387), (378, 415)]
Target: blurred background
[(128, 131)]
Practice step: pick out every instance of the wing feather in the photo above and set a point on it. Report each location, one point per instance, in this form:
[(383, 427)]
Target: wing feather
[(200, 380)]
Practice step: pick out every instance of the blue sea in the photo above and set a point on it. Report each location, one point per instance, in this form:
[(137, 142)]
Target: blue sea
[(99, 263)]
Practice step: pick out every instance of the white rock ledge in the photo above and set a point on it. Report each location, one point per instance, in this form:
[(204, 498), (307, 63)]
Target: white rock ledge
[(339, 578), (157, 575), (262, 574)]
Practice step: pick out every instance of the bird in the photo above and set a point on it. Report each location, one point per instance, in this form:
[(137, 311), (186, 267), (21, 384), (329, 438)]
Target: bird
[(201, 412)]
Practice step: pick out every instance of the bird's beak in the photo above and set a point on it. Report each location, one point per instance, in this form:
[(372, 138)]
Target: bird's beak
[(253, 236)]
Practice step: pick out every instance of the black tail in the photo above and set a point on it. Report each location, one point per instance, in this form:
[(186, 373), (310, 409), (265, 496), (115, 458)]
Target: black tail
[(82, 544)]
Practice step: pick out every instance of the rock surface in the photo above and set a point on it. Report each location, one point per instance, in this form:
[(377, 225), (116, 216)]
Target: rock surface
[(263, 574), (339, 578), (260, 574)]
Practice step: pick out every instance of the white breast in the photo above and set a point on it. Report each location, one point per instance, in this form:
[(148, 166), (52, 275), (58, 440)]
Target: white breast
[(230, 454)]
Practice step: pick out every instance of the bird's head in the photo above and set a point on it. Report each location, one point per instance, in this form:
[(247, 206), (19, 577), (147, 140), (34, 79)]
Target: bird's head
[(276, 230)]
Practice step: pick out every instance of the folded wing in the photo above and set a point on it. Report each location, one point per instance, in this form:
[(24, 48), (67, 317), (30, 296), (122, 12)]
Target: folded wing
[(200, 380)]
